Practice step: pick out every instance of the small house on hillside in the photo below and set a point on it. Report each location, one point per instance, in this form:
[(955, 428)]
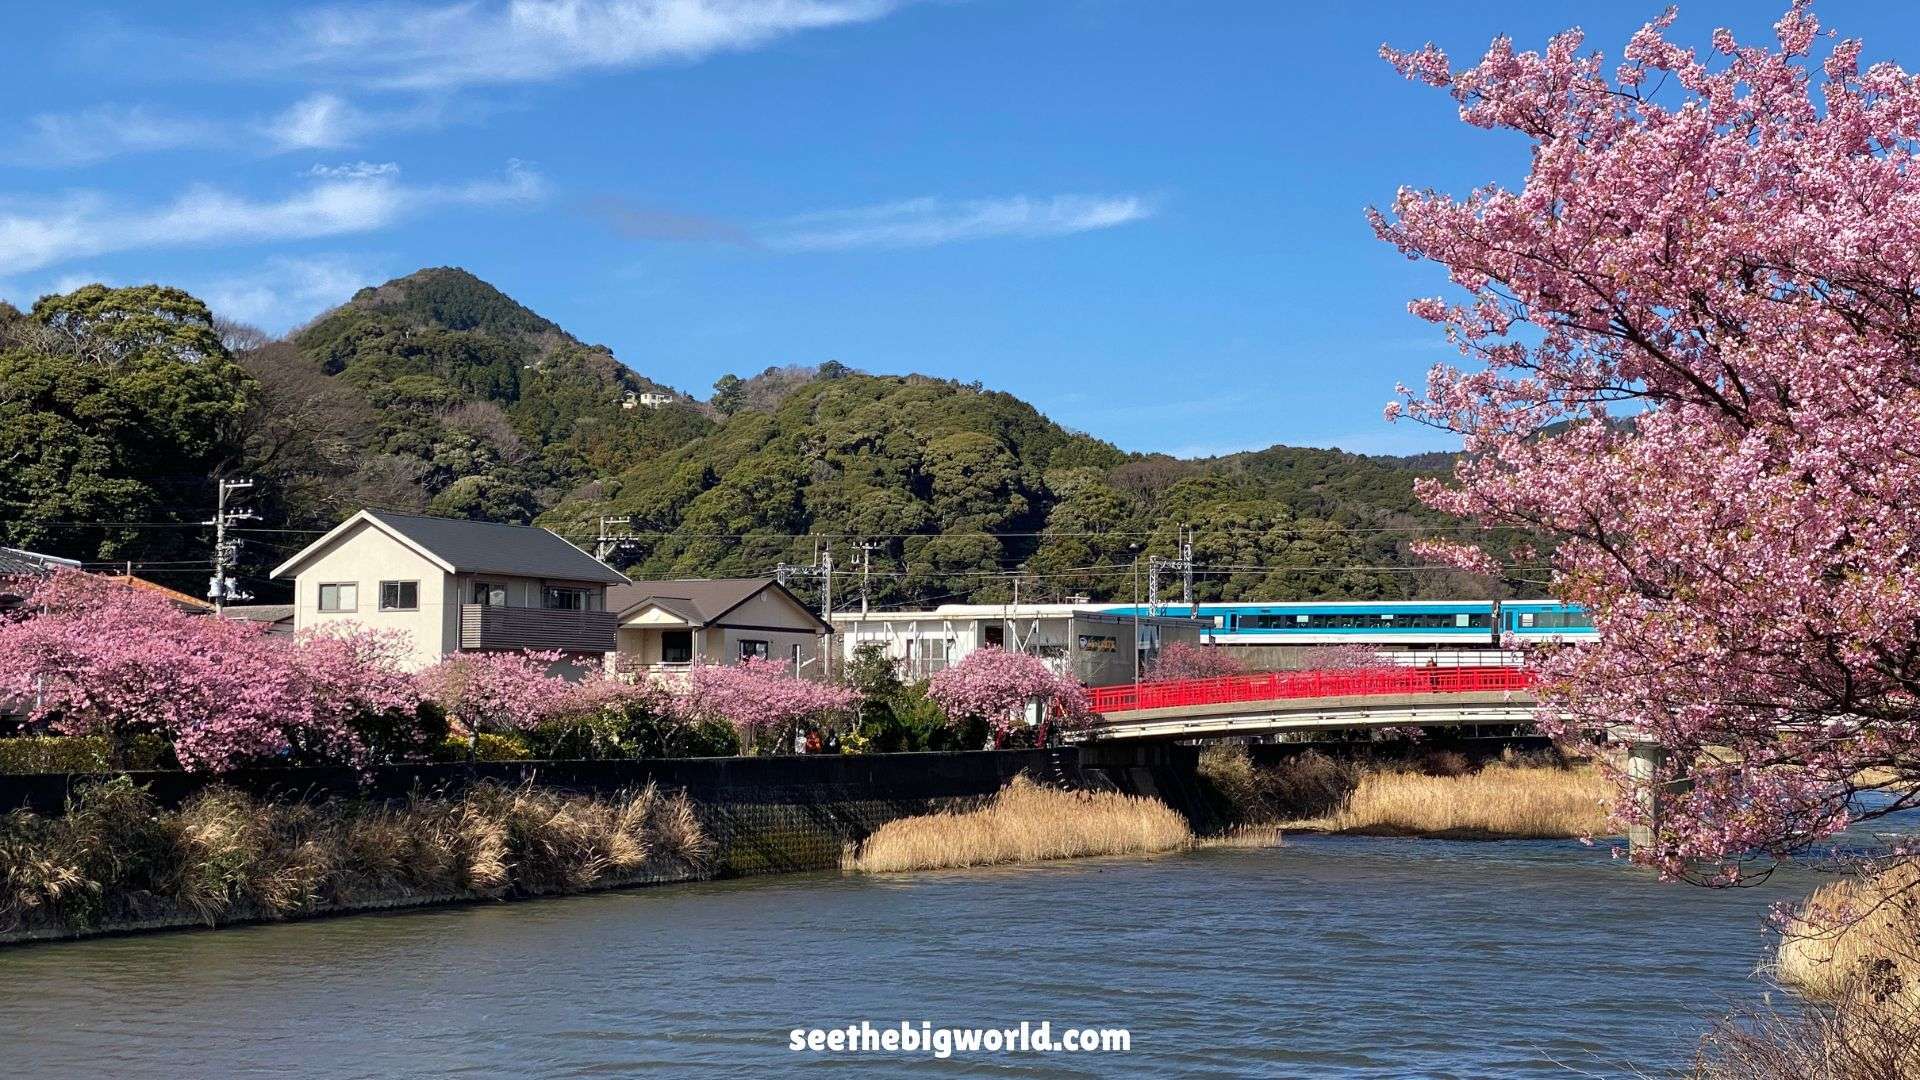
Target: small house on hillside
[(453, 585), (668, 625)]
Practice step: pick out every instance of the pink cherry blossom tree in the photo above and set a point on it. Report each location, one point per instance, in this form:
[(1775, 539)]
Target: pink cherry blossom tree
[(761, 696), (1692, 368), (91, 656), (496, 691), (1349, 657), (1185, 660), (995, 685)]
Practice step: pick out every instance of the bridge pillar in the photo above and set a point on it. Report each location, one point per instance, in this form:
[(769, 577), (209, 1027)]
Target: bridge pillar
[(1645, 760)]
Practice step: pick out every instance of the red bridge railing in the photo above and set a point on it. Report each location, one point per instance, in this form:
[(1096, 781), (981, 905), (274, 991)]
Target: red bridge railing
[(1286, 685)]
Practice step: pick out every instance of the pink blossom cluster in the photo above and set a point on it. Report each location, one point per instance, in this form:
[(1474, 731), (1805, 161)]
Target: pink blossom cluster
[(519, 691), (1350, 657), (496, 691), (1185, 660), (90, 656), (995, 685), (1691, 370), (758, 695)]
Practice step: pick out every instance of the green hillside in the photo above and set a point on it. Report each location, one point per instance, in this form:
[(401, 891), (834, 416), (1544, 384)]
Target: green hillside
[(438, 392)]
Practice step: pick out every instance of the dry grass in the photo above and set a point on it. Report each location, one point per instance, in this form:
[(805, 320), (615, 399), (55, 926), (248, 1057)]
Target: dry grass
[(1024, 823), (1853, 1038), (1500, 800), (1854, 950), (1858, 936), (115, 857)]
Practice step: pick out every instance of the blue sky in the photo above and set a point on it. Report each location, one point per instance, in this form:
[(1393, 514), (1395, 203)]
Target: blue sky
[(1144, 216)]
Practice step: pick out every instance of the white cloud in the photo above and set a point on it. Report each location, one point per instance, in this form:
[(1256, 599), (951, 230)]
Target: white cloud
[(286, 291), (928, 221), (356, 170), (331, 122), (105, 131), (84, 225), (422, 46), (315, 122)]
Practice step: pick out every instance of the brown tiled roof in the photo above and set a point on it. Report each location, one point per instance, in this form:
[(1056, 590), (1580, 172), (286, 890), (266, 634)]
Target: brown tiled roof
[(180, 599)]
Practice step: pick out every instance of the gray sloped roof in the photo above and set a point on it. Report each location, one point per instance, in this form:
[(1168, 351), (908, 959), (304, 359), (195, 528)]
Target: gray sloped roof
[(698, 600), (485, 547), (15, 562), (259, 612)]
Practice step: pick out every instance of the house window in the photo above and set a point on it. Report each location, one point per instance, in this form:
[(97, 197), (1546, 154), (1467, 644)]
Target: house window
[(676, 646), (751, 649), (399, 596), (995, 636), (555, 598), (489, 594), (344, 596)]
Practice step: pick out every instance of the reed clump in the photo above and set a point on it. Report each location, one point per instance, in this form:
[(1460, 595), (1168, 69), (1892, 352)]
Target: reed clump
[(1430, 793), (1853, 951), (1498, 800), (1858, 937), (1025, 822), (116, 858)]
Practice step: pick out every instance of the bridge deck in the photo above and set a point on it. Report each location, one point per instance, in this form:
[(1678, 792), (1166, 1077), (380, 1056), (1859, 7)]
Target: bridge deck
[(1304, 701)]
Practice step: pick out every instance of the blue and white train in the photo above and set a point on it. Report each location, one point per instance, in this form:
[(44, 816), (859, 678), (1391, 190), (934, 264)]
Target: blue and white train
[(1385, 624)]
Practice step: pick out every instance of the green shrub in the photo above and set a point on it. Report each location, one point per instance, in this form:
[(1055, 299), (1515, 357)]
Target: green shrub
[(907, 719), (400, 736), (1308, 785), (80, 754), (635, 732), (487, 747), (708, 738)]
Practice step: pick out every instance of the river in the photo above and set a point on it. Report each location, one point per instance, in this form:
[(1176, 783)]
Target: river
[(1330, 956)]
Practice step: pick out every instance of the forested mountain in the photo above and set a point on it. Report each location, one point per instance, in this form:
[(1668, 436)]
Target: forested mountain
[(438, 392)]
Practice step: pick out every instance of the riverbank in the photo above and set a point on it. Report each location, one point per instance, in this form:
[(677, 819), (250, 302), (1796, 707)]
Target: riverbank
[(117, 861), (82, 855)]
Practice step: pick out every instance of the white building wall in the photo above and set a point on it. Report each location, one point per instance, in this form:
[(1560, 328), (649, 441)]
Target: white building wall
[(365, 557)]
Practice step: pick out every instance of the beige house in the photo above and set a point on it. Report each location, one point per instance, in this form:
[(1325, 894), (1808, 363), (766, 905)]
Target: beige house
[(453, 585), (667, 626)]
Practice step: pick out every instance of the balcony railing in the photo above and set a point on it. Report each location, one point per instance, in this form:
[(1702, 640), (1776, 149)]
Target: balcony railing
[(489, 626)]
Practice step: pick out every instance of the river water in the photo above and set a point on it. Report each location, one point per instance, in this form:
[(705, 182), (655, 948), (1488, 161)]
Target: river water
[(1330, 956)]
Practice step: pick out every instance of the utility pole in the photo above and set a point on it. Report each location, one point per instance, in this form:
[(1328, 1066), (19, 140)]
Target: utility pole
[(821, 568), (221, 588), (866, 568), (1183, 563), (1186, 571), (1136, 619), (605, 543)]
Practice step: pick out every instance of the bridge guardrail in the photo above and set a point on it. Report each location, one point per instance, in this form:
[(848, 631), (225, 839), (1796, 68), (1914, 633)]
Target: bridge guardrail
[(1285, 685)]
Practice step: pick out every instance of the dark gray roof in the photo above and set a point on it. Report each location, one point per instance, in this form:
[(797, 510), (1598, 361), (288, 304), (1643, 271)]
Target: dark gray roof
[(259, 612), (15, 562), (698, 600), (484, 547)]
